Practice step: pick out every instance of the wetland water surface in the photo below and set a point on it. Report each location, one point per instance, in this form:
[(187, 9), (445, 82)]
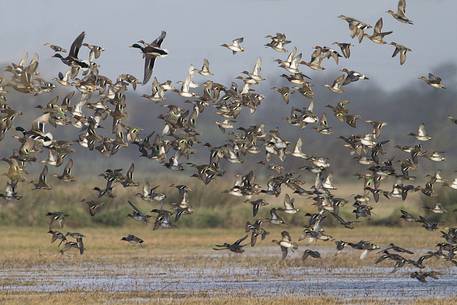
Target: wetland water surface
[(349, 283)]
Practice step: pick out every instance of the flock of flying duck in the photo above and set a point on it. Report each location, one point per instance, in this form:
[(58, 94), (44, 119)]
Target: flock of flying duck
[(98, 99)]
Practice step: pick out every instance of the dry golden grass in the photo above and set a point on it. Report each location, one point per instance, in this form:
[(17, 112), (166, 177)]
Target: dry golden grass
[(31, 245), (126, 298)]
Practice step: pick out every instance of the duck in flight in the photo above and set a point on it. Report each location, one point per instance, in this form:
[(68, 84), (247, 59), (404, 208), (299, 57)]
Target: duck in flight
[(133, 240), (137, 214), (286, 244), (72, 57), (400, 14), (433, 80), (378, 35), (150, 52), (235, 247), (235, 46), (402, 50)]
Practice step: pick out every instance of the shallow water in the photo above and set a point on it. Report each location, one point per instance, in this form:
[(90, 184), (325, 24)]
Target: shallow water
[(346, 283)]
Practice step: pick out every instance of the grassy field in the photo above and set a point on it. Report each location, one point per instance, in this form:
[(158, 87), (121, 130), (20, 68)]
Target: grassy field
[(30, 246), (99, 298)]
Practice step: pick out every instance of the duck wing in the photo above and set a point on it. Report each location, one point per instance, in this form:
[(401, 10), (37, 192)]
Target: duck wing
[(130, 171), (433, 77), (79, 240), (253, 239), (43, 175), (148, 66), (158, 41), (39, 123), (285, 235), (284, 252), (146, 190), (255, 208), (236, 42), (289, 202), (68, 167), (239, 241), (134, 207), (402, 7), (378, 26), (421, 131), (76, 45)]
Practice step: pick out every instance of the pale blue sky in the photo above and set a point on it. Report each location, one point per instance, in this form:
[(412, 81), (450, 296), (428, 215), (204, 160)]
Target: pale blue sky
[(197, 28)]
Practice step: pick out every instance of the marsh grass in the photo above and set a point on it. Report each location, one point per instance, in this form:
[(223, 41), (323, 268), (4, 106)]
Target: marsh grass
[(213, 207)]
